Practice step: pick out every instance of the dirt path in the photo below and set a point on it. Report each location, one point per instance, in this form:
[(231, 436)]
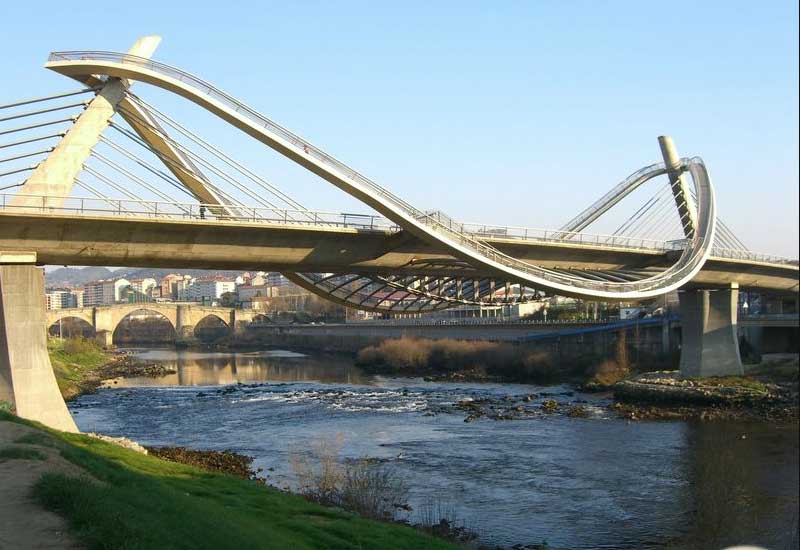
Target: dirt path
[(23, 524)]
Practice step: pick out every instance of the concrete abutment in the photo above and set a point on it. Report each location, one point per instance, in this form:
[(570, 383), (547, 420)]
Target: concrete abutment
[(27, 380)]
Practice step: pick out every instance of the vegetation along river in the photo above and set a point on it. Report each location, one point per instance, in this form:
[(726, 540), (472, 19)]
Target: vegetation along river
[(578, 481)]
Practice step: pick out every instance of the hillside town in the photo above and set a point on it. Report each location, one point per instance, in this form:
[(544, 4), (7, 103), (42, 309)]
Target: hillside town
[(258, 291)]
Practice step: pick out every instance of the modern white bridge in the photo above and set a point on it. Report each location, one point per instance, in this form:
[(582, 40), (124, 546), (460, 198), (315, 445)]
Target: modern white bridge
[(126, 157)]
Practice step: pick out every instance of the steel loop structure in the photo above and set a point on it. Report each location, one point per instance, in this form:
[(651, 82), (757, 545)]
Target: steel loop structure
[(478, 272)]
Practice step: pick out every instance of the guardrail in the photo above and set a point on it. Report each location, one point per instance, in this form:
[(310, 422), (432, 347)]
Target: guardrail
[(746, 255), (88, 206), (460, 242), (95, 206), (691, 258)]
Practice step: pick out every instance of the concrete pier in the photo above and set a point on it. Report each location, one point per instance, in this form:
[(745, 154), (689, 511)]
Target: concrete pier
[(710, 344), (26, 376)]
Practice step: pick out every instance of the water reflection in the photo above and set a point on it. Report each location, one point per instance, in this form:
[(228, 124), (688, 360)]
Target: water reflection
[(742, 485), (194, 368)]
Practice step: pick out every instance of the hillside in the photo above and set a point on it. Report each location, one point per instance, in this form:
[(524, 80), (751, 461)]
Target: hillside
[(76, 276)]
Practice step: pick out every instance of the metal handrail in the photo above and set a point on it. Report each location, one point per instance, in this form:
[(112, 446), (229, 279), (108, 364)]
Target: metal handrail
[(50, 204), (460, 242), (197, 211)]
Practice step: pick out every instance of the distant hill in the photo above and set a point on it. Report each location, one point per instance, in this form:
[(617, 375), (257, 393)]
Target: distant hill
[(76, 276)]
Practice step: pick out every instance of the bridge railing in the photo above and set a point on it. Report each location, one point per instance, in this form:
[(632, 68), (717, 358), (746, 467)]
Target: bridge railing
[(746, 255), (88, 206), (475, 247), (445, 228), (572, 237), (96, 206)]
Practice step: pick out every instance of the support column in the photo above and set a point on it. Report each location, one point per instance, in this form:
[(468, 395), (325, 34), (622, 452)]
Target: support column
[(666, 333), (184, 329), (26, 376), (680, 190), (710, 344)]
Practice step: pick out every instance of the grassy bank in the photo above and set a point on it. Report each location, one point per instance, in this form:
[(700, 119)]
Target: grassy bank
[(74, 361), (129, 500)]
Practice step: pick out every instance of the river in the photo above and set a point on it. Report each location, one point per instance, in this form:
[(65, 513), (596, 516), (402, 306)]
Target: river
[(578, 483)]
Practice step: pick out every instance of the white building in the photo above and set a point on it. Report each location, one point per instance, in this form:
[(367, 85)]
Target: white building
[(104, 292), (64, 298), (208, 290), (248, 292), (277, 280), (143, 288)]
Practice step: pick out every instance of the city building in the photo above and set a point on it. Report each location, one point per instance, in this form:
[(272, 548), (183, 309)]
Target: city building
[(248, 292), (104, 292), (141, 289), (209, 290), (277, 280), (62, 298), (174, 285)]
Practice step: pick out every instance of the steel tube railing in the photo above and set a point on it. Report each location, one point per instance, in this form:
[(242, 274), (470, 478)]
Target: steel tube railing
[(92, 206)]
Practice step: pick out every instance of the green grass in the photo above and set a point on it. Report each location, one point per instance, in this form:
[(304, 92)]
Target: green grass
[(731, 381), (72, 360), (36, 439), (133, 501), (20, 453)]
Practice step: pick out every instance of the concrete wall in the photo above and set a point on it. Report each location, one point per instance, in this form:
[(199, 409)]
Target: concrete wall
[(352, 338), (26, 376)]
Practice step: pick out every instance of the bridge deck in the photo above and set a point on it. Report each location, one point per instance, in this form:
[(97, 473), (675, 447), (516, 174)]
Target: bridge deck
[(110, 240)]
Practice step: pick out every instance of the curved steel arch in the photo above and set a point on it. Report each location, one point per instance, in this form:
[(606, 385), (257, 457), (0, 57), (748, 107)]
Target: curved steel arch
[(406, 294), (431, 228)]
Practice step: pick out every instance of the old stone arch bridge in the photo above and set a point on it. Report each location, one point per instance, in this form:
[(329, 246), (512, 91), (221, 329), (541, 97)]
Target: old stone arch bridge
[(183, 317)]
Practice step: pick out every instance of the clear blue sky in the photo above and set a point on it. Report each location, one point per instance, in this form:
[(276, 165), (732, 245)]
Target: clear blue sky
[(512, 112)]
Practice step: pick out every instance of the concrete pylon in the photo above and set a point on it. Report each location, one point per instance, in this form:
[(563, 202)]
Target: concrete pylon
[(26, 376), (53, 178), (680, 189), (710, 343)]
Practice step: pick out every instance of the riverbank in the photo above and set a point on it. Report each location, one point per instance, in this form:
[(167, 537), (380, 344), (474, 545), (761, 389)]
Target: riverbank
[(113, 497), (81, 366)]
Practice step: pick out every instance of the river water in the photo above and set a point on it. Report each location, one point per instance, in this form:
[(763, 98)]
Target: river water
[(578, 483)]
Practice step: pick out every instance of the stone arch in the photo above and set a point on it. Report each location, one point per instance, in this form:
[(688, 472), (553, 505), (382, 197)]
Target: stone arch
[(68, 326), (109, 317), (211, 327), (216, 316), (122, 314), (84, 314)]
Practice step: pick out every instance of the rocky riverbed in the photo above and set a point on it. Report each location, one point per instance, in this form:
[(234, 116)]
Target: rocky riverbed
[(666, 396)]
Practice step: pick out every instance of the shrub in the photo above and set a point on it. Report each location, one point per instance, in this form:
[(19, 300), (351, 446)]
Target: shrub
[(609, 372), (373, 490), (79, 345)]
